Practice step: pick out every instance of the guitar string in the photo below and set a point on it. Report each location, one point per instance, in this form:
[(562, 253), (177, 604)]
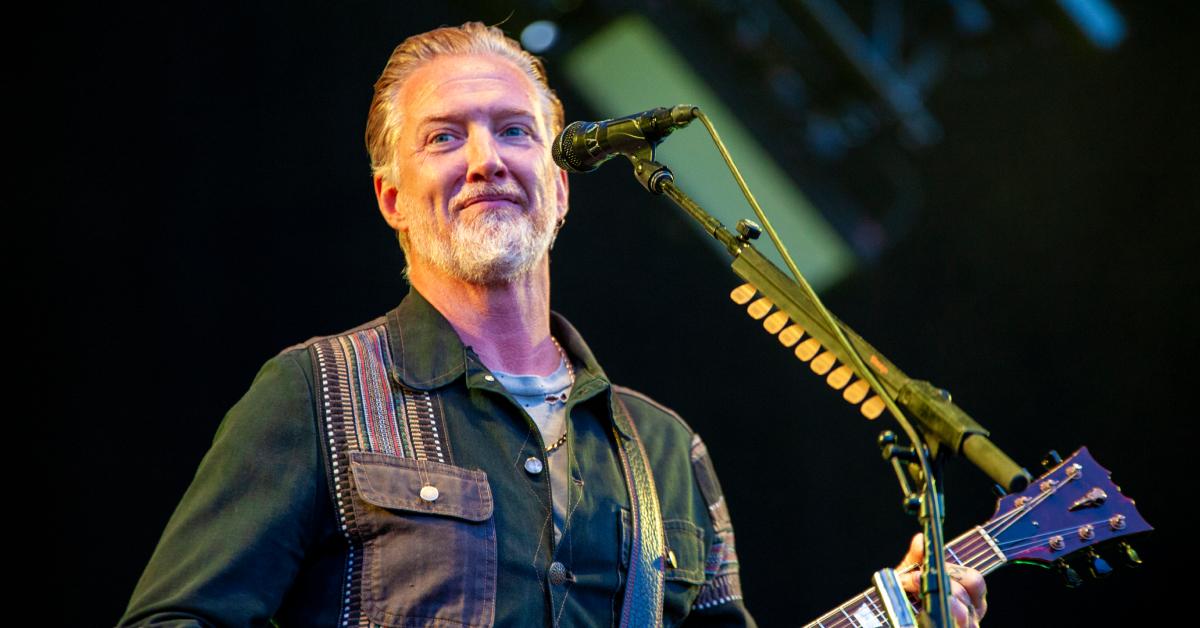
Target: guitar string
[(838, 617), (975, 548), (964, 545), (965, 542), (1048, 533), (1039, 539)]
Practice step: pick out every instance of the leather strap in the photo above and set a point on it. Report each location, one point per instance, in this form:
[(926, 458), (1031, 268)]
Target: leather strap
[(644, 584)]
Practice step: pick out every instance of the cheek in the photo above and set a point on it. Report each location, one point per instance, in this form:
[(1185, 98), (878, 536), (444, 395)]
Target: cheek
[(434, 186)]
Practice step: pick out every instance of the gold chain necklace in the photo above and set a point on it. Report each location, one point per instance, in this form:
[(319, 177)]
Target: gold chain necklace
[(561, 397)]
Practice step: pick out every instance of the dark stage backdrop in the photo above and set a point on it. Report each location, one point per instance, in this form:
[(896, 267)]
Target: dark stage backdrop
[(219, 208)]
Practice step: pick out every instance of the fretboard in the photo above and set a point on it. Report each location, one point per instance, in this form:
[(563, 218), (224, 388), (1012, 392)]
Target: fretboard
[(975, 549)]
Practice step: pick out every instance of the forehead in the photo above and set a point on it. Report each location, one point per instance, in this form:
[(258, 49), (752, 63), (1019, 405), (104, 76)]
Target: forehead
[(455, 86)]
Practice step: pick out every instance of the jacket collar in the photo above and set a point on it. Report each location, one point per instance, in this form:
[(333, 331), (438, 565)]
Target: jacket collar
[(427, 353)]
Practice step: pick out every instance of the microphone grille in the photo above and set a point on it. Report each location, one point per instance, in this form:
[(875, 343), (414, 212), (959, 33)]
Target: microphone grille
[(565, 152)]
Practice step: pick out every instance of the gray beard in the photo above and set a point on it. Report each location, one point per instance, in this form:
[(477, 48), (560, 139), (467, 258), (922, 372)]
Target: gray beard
[(494, 248)]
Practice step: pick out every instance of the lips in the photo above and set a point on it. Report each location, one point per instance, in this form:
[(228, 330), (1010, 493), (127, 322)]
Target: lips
[(492, 196), (490, 199)]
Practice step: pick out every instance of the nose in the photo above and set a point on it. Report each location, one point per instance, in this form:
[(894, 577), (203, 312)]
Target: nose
[(484, 162)]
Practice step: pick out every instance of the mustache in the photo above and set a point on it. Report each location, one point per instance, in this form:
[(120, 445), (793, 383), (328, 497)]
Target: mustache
[(490, 192)]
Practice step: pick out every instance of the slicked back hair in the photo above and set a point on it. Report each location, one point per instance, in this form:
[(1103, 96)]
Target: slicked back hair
[(384, 117)]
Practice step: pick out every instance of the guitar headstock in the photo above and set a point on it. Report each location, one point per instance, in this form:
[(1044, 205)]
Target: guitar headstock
[(1071, 509)]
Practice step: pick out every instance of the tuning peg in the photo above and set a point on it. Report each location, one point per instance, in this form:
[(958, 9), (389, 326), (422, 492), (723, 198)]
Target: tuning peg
[(1097, 566), (1051, 460), (1070, 577), (1129, 556)]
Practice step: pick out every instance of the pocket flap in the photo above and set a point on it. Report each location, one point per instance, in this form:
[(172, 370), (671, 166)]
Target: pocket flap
[(686, 541), (396, 483)]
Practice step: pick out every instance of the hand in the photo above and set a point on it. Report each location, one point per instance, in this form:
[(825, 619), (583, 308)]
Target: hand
[(968, 592)]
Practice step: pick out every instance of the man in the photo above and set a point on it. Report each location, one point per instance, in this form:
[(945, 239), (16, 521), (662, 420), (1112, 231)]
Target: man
[(463, 460)]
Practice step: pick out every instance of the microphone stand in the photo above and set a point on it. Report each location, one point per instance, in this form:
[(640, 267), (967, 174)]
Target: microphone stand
[(942, 425)]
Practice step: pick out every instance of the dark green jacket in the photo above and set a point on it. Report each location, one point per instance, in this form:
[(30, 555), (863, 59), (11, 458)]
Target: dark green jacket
[(256, 537)]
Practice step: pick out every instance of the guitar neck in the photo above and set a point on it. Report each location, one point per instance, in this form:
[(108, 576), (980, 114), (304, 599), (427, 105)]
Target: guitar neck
[(975, 549)]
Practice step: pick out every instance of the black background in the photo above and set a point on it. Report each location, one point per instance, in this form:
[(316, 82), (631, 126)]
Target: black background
[(217, 208)]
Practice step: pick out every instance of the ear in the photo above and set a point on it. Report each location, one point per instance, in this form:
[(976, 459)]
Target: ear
[(385, 196), (562, 192)]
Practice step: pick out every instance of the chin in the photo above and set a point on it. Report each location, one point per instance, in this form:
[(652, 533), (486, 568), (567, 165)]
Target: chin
[(500, 270)]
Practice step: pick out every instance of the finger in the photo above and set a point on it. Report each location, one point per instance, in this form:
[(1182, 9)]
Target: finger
[(972, 618), (916, 552), (910, 582), (972, 582), (961, 614), (964, 614), (962, 599)]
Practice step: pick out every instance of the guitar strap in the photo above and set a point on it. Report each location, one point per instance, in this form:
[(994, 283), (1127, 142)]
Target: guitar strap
[(363, 409), (644, 585)]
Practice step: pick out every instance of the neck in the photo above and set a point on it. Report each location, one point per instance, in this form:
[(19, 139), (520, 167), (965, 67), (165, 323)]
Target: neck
[(508, 324)]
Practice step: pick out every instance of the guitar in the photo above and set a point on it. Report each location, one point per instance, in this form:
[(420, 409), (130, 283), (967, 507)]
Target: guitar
[(1067, 512)]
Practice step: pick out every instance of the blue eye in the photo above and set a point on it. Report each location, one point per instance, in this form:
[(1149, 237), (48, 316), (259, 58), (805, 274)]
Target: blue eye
[(441, 138), (514, 131)]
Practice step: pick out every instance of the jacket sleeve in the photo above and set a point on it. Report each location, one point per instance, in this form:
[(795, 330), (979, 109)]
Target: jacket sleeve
[(720, 600), (237, 539)]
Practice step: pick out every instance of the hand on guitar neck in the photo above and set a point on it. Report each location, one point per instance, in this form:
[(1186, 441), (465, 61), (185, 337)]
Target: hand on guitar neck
[(968, 592)]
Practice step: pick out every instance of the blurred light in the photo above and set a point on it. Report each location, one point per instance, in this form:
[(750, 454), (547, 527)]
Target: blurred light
[(971, 17), (1097, 19), (629, 66), (539, 36)]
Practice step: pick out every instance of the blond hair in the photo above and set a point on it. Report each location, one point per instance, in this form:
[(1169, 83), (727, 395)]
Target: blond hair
[(384, 117)]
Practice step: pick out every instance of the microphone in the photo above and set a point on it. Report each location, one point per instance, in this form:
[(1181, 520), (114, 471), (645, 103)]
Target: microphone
[(583, 146)]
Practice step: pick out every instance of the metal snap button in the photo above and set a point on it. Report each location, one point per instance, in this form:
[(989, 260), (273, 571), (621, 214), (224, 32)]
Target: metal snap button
[(429, 492), (533, 465), (558, 573)]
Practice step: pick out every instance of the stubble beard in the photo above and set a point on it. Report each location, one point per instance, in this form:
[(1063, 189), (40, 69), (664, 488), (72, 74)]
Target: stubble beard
[(486, 248)]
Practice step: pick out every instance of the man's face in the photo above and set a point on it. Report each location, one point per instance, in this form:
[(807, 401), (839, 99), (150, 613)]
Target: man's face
[(477, 194)]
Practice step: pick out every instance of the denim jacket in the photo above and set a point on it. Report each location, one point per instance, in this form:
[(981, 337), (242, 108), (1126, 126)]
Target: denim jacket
[(257, 537)]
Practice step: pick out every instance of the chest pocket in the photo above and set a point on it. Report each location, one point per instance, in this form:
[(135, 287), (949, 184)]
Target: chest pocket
[(428, 539)]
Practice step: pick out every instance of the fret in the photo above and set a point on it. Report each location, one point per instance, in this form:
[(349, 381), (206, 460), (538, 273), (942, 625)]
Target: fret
[(839, 614), (975, 549), (987, 547), (866, 618), (847, 615), (882, 616)]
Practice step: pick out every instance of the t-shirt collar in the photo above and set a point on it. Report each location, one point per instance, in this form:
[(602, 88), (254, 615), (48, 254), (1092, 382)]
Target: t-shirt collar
[(427, 353)]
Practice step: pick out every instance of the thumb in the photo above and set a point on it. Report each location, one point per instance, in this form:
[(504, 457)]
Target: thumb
[(916, 552)]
